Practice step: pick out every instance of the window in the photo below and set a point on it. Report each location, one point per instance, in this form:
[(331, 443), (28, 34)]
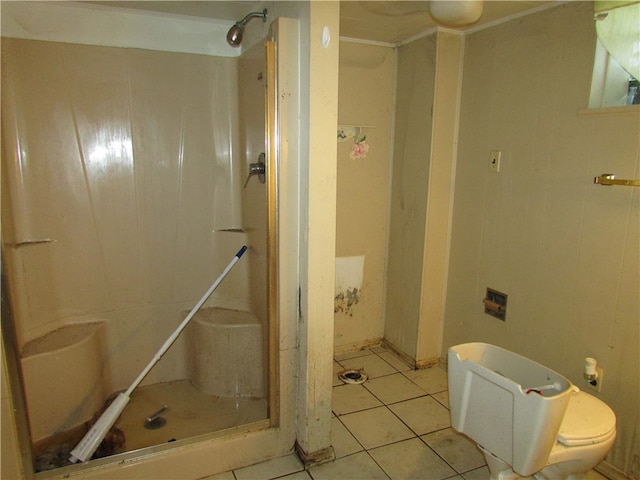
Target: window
[(617, 59)]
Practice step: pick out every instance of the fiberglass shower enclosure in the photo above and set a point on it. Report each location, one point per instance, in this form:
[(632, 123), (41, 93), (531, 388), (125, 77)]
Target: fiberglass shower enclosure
[(124, 197)]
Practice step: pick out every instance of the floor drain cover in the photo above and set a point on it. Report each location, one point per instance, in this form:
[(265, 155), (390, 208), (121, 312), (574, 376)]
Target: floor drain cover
[(353, 376)]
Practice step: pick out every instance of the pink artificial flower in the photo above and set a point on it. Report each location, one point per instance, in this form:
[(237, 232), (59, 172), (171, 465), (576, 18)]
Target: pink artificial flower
[(359, 149)]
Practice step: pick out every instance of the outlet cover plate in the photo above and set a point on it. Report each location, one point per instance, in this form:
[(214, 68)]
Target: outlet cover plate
[(598, 386), (495, 156)]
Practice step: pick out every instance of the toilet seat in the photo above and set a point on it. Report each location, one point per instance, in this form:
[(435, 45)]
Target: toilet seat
[(586, 421), (586, 434)]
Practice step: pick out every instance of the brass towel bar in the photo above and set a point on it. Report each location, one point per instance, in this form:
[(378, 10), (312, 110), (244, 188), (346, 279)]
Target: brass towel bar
[(610, 179)]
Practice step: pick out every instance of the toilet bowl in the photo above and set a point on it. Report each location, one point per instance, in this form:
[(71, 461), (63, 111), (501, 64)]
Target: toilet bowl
[(550, 432), (586, 435)]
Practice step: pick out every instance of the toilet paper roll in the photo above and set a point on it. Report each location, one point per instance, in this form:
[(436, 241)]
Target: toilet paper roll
[(493, 306), (590, 366)]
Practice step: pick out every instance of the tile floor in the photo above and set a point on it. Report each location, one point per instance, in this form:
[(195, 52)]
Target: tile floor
[(395, 426)]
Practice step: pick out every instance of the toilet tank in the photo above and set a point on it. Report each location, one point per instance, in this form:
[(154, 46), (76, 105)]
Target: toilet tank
[(508, 404)]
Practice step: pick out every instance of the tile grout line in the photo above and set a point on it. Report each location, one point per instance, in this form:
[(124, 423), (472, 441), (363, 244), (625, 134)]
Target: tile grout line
[(386, 405)]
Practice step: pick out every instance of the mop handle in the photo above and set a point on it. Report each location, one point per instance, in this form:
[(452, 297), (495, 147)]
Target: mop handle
[(89, 443), (184, 323)]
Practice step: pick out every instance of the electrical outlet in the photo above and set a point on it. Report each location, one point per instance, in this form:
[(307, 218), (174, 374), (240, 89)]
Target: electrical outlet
[(597, 383), (494, 160)]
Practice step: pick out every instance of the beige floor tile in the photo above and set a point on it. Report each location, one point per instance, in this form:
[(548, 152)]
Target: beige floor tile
[(411, 459), (353, 354), (393, 388), (276, 467), (395, 361), (431, 380), (481, 473), (372, 364), (423, 414), (222, 476), (359, 466), (393, 446), (297, 476), (442, 397), (457, 450), (352, 398), (376, 427), (342, 441)]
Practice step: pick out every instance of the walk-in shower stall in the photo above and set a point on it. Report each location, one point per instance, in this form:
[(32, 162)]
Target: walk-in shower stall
[(130, 177)]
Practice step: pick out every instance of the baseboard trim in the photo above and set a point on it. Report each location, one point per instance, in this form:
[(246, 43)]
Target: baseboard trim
[(352, 347), (405, 358)]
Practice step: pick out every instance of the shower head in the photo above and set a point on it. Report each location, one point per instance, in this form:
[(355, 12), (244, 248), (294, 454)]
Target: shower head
[(234, 35)]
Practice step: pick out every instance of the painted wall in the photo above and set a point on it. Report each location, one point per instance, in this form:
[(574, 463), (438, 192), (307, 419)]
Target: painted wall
[(563, 249), (409, 191), (437, 238), (365, 98), (317, 226)]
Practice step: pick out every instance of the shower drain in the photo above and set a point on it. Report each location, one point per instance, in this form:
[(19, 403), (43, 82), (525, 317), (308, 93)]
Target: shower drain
[(155, 421), (353, 376), (155, 424)]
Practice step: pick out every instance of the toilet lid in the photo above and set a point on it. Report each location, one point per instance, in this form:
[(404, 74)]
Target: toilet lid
[(587, 420)]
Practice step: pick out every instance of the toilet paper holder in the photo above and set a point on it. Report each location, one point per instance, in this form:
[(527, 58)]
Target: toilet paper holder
[(495, 304)]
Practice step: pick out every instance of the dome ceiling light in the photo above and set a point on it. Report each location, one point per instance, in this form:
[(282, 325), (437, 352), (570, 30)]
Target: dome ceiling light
[(456, 13)]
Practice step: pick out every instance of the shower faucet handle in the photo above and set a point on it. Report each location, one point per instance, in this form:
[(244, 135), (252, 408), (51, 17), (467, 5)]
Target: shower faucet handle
[(258, 168)]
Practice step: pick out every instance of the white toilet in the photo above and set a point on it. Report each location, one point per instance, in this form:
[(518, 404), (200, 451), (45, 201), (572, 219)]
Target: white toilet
[(527, 419)]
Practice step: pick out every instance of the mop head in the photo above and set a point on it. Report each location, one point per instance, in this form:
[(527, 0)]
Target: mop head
[(57, 456)]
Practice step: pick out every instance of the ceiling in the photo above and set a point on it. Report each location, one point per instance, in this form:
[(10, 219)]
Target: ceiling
[(394, 22), (219, 10), (381, 21)]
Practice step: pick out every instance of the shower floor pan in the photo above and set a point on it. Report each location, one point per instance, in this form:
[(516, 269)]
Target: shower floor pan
[(189, 413)]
